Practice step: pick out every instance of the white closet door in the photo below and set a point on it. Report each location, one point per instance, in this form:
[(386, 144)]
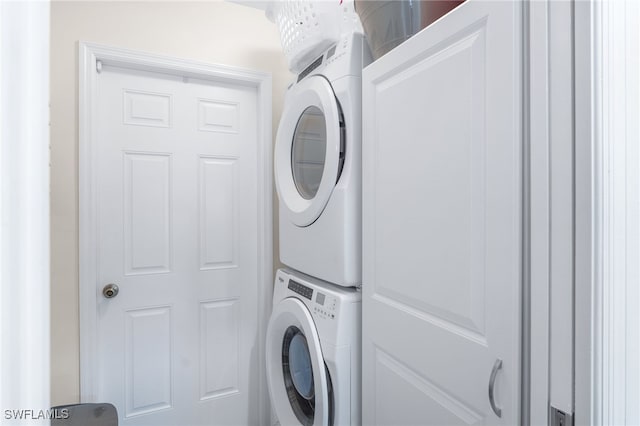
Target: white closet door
[(442, 154)]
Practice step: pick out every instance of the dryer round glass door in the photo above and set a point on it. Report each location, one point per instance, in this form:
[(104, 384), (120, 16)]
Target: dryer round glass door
[(297, 377), (309, 150)]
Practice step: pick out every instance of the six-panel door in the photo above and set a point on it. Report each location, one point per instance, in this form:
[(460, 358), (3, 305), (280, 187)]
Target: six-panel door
[(177, 232)]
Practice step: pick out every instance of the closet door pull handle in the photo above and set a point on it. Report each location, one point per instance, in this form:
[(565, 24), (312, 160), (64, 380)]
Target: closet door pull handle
[(492, 381)]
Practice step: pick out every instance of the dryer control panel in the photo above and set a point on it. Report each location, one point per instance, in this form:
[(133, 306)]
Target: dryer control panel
[(348, 56)]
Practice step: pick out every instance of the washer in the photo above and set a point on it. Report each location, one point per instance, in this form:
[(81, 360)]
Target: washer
[(318, 166), (313, 352)]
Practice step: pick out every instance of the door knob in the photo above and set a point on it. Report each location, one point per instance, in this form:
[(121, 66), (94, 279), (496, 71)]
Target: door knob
[(110, 290)]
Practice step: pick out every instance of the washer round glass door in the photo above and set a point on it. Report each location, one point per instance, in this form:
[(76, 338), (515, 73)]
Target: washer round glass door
[(308, 150), (296, 374)]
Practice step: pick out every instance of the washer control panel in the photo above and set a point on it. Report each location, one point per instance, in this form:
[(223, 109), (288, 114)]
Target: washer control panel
[(325, 305), (301, 289)]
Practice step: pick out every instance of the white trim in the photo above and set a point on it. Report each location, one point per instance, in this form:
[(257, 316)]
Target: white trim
[(561, 201), (551, 168), (617, 198), (539, 203), (24, 208), (89, 54), (587, 240)]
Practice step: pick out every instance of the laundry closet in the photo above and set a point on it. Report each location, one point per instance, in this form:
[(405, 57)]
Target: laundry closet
[(335, 212)]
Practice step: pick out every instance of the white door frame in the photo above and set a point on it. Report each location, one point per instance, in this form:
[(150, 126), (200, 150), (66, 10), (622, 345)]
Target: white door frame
[(91, 58), (607, 192), (549, 280), (600, 296), (24, 210), (535, 333), (587, 332)]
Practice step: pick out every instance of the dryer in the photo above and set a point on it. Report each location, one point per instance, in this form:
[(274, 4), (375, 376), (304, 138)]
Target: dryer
[(318, 166), (313, 352)]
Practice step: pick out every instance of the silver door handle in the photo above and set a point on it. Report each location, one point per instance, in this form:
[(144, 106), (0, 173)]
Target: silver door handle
[(492, 381), (110, 290)]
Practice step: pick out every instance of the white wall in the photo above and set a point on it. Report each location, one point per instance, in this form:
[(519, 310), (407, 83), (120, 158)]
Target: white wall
[(211, 31)]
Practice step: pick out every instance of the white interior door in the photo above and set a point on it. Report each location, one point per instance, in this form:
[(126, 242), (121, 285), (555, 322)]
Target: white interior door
[(442, 223), (176, 169)]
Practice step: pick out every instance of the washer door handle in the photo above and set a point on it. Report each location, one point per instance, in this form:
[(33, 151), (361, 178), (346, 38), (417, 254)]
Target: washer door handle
[(492, 381)]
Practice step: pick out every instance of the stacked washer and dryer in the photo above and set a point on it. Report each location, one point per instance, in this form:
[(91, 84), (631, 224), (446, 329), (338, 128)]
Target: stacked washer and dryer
[(313, 343)]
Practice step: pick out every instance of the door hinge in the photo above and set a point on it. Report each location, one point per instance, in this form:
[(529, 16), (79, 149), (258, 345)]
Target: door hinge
[(559, 417), (98, 66)]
